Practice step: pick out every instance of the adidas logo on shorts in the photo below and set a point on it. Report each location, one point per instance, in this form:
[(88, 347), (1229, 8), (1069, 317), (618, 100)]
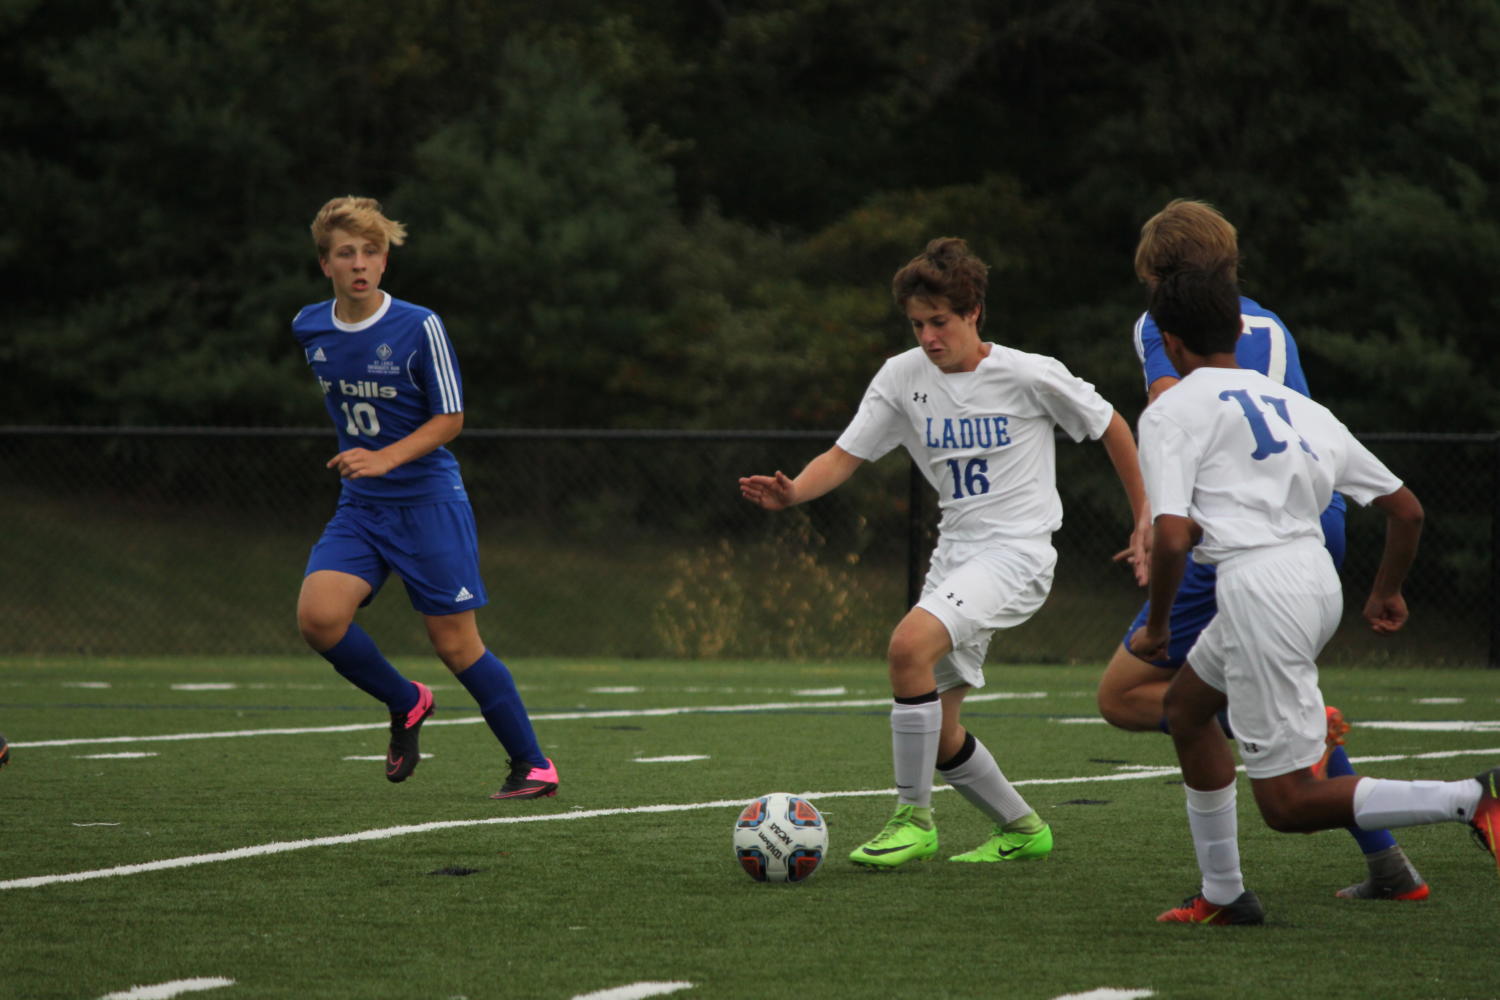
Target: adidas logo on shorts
[(462, 595)]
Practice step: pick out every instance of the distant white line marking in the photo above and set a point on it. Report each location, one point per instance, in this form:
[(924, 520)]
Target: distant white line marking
[(85, 684), (678, 759), (1448, 726), (165, 991), (821, 692), (378, 756), (1080, 720), (635, 991), (613, 713), (96, 824), (1440, 701), (1108, 994), (204, 687), (616, 690), (113, 756)]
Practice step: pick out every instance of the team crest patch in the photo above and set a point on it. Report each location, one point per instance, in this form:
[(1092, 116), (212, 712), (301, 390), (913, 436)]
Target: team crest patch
[(382, 364)]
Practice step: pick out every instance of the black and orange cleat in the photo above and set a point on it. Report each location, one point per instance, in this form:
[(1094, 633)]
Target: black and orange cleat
[(1246, 909), (4, 752), (402, 757), (1486, 821)]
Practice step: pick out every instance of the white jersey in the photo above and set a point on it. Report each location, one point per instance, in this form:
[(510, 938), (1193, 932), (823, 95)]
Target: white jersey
[(984, 439), (1250, 461)]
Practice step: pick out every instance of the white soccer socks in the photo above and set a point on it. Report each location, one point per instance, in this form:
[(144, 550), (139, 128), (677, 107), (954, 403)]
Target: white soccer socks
[(1215, 827)]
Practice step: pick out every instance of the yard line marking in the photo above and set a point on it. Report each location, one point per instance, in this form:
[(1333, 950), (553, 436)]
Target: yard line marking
[(386, 833), (611, 713), (635, 991), (675, 759), (205, 686), (1108, 993), (118, 756), (165, 991), (1442, 726)]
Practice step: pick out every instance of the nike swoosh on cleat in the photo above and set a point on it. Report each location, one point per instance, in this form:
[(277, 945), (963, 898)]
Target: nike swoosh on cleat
[(1006, 854), (877, 851)]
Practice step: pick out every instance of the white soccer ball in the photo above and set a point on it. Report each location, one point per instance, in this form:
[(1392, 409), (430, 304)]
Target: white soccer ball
[(780, 838)]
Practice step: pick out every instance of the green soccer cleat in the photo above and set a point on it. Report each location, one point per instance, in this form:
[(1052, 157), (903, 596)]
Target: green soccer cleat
[(1011, 847), (903, 839)]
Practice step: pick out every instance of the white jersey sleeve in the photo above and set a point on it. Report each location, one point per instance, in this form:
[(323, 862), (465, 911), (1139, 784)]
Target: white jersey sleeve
[(1169, 460), (1073, 404), (879, 425), (1361, 476)]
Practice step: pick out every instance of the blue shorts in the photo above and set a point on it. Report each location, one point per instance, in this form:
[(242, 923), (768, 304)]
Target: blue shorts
[(1195, 605), (433, 547)]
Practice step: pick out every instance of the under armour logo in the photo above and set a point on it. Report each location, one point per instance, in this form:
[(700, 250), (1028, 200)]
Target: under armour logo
[(959, 602), (919, 397)]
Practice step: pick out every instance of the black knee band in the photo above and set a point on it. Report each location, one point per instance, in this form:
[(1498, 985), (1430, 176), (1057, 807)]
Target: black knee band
[(964, 753), (920, 699)]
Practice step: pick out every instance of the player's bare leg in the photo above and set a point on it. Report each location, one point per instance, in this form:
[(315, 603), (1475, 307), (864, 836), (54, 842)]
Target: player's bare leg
[(326, 606), (1131, 692)]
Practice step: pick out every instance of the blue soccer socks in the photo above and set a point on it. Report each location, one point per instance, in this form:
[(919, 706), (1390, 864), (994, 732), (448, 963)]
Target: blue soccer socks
[(360, 662), (489, 681)]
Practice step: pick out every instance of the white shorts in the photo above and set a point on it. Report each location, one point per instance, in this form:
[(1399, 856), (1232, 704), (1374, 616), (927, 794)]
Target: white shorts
[(1277, 609), (975, 588)]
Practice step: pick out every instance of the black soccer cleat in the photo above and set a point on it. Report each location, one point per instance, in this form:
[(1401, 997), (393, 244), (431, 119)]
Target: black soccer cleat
[(529, 781), (402, 757), (4, 752)]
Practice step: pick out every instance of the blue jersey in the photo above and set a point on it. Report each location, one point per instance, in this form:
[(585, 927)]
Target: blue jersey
[(1264, 345), (382, 379)]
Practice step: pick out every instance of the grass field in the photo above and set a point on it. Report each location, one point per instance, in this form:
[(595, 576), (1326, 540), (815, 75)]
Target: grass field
[(223, 825)]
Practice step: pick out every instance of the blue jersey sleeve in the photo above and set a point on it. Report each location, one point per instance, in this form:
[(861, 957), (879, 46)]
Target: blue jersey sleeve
[(437, 369)]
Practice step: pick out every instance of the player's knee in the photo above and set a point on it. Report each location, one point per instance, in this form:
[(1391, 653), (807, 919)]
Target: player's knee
[(1108, 698), (1280, 816), (320, 631)]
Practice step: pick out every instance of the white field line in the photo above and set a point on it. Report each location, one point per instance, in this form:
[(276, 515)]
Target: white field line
[(613, 713), (386, 833), (165, 991), (636, 991)]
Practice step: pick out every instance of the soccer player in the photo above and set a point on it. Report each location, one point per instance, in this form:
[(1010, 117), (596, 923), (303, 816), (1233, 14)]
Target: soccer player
[(978, 419), (390, 380), (1240, 466), (1194, 234)]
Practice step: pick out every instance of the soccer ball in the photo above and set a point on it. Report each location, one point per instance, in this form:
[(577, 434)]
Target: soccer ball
[(780, 838)]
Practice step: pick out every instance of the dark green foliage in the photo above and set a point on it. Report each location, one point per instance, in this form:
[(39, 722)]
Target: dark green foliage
[(638, 214)]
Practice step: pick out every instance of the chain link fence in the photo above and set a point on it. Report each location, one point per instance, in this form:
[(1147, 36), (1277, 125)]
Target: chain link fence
[(132, 541)]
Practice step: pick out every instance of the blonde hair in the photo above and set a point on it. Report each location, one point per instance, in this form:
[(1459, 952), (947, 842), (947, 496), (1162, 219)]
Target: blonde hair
[(1186, 234), (362, 217)]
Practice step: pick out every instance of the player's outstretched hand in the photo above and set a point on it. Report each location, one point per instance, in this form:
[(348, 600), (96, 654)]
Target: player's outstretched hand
[(1386, 614), (769, 492)]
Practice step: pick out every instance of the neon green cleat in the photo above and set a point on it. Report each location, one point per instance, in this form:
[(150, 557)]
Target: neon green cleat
[(903, 839), (1011, 847)]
